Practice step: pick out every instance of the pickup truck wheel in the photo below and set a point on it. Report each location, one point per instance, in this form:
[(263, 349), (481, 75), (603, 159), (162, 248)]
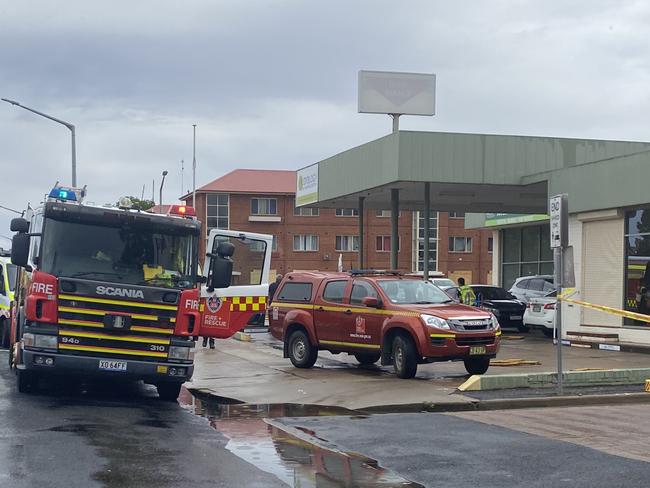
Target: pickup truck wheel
[(169, 391), (301, 352), (477, 365), (405, 360), (367, 358)]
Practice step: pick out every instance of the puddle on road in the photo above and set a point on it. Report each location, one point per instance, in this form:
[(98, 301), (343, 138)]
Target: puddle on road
[(290, 458)]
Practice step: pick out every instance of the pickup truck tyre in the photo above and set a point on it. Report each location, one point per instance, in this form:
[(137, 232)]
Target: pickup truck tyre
[(367, 358), (477, 365), (169, 391), (301, 352), (405, 361)]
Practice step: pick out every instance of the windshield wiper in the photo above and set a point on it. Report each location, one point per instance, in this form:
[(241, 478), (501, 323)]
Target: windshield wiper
[(86, 273)]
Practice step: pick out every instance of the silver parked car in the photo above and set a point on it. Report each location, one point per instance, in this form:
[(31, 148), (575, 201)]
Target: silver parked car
[(528, 287)]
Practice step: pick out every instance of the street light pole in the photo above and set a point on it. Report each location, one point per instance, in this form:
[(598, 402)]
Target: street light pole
[(194, 168), (59, 121), (164, 173)]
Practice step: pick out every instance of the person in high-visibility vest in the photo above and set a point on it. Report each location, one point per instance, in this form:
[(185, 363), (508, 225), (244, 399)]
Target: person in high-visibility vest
[(465, 292)]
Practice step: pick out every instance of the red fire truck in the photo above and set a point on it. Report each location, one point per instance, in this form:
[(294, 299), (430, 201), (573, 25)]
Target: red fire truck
[(117, 292)]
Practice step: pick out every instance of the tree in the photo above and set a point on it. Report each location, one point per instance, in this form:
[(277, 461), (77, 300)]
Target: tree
[(140, 204)]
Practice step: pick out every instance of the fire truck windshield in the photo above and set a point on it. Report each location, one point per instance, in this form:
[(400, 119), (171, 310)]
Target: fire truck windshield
[(128, 254)]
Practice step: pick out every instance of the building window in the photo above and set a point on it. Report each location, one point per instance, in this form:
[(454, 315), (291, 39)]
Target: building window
[(456, 215), (347, 212), (306, 212), (383, 243), (274, 246), (218, 210), (490, 244), (264, 206), (460, 244), (433, 241), (305, 242), (347, 243), (526, 251), (637, 263), (386, 213)]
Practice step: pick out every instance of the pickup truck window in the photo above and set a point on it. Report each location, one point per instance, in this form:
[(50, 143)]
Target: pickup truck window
[(334, 291), (413, 292), (361, 290), (295, 292)]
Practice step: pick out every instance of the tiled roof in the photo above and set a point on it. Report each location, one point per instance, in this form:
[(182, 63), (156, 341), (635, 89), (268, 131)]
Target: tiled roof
[(252, 181)]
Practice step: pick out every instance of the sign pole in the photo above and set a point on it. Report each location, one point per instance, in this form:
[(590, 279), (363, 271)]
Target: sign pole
[(559, 219)]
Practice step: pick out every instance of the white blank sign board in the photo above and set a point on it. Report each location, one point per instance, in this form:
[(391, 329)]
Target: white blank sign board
[(383, 92)]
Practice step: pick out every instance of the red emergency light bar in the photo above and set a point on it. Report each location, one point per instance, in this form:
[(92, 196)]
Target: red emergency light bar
[(182, 211)]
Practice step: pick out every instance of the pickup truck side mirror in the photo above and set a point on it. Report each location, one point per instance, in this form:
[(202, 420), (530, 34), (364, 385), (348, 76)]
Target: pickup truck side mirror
[(371, 302), (19, 225), (20, 249)]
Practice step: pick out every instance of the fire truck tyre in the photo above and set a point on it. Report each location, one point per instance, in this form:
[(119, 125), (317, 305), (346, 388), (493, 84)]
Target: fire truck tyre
[(477, 365), (301, 352), (25, 381), (367, 358), (169, 391), (405, 360), (4, 333)]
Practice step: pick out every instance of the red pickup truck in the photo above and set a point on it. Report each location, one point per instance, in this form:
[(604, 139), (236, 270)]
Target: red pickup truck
[(401, 320)]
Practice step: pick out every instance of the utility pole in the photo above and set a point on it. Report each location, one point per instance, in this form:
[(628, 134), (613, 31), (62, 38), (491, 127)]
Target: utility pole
[(182, 176), (162, 183)]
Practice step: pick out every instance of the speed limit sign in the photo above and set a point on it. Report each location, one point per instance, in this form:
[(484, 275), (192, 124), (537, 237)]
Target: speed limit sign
[(558, 213)]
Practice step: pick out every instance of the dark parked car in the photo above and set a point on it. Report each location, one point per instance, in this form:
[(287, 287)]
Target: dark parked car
[(500, 302)]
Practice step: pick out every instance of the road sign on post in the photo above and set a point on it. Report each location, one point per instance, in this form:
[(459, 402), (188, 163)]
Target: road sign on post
[(559, 213)]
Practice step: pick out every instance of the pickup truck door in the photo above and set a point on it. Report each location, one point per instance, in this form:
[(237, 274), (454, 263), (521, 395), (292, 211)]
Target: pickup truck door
[(331, 314), (364, 325), (227, 310)]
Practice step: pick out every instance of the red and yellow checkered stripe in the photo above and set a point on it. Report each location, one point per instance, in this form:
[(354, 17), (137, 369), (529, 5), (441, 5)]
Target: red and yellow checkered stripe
[(247, 304)]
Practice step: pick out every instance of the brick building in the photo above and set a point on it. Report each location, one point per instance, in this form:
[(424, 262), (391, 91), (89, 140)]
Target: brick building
[(264, 201)]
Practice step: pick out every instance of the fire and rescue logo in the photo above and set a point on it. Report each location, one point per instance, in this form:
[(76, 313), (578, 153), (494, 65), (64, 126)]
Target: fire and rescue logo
[(214, 303), (360, 325)]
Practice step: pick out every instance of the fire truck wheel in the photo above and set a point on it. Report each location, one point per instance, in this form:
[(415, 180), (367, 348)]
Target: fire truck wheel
[(405, 361), (367, 358), (25, 381), (477, 365), (4, 333), (301, 352), (169, 391)]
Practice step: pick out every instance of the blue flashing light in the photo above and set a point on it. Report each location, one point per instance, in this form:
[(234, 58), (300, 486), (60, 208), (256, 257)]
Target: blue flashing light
[(63, 194)]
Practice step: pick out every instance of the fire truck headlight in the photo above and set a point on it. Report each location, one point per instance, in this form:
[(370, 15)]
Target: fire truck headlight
[(28, 340), (45, 341), (179, 352)]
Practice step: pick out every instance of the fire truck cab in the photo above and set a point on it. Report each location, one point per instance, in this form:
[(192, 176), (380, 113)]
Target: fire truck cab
[(116, 292)]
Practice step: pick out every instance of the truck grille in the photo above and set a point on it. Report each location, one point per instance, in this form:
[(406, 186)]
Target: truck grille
[(470, 324), (474, 341), (87, 327)]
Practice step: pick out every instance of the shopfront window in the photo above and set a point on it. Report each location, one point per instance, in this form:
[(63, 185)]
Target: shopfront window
[(526, 251), (637, 263)]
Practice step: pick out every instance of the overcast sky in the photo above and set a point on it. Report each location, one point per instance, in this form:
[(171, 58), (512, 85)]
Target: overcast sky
[(272, 84)]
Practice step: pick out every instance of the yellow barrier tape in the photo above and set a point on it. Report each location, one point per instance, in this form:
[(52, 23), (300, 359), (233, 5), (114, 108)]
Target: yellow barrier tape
[(611, 310)]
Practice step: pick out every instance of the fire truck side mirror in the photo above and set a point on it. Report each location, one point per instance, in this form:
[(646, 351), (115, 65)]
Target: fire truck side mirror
[(20, 249), (19, 225), (221, 273)]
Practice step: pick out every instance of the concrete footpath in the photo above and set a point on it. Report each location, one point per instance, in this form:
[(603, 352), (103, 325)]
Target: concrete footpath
[(256, 373)]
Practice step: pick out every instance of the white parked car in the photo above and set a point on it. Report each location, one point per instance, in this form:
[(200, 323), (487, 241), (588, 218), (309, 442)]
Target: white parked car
[(442, 283), (540, 313), (528, 287)]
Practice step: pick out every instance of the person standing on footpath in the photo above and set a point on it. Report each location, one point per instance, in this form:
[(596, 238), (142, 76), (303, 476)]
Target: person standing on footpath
[(465, 292)]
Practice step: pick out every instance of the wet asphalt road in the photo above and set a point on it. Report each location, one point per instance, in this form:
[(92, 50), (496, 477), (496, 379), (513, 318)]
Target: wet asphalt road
[(111, 436), (440, 450)]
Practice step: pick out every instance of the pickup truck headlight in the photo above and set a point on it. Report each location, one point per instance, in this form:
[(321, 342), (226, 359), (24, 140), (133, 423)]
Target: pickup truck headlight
[(434, 321), (40, 340), (180, 352), (495, 322)]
